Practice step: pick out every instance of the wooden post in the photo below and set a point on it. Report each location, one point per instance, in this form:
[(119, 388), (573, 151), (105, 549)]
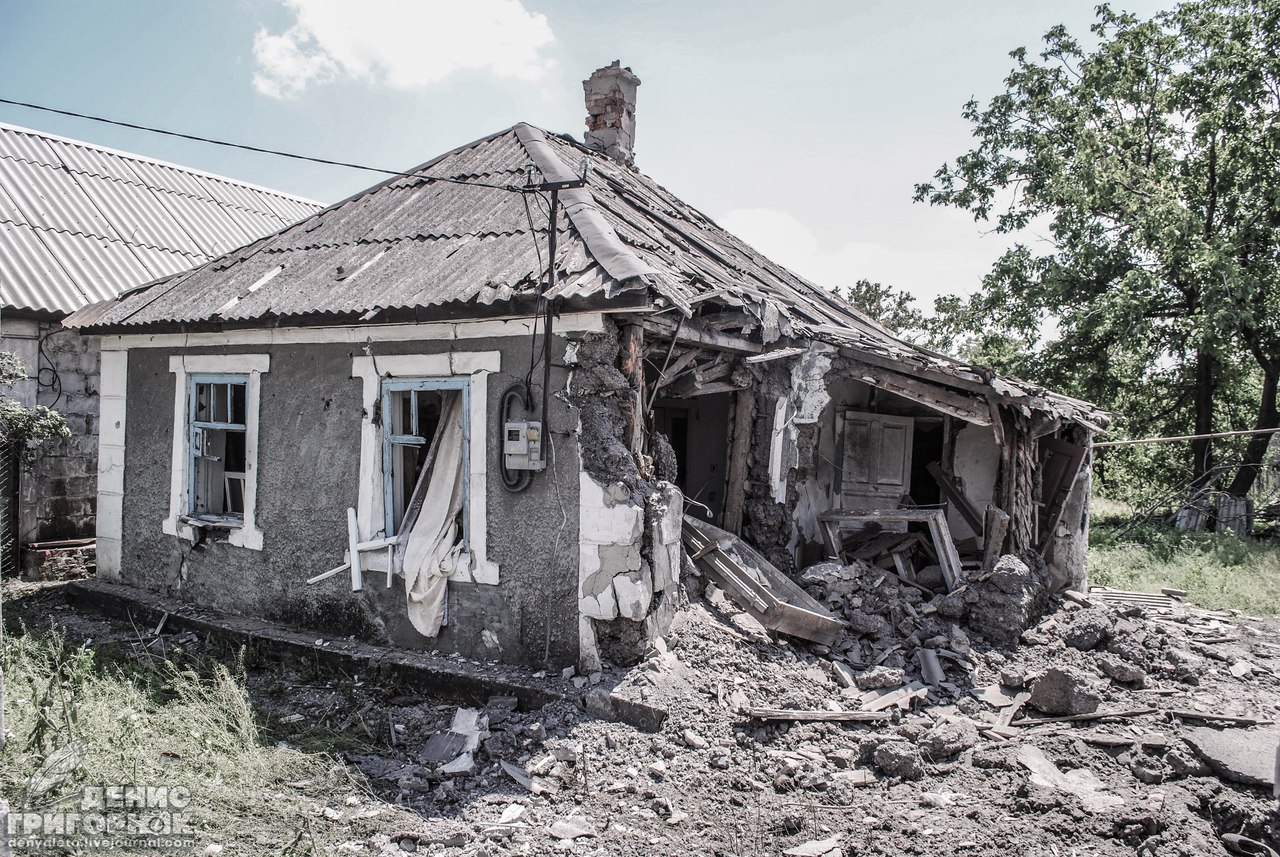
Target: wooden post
[(744, 406), (633, 368)]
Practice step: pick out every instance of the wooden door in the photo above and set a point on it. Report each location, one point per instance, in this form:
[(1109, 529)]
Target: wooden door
[(876, 460)]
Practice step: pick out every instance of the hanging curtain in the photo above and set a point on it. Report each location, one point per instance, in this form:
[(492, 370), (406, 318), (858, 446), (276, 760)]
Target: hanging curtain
[(434, 547)]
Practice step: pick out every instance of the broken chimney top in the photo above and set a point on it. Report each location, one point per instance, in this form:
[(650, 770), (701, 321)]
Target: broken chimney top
[(611, 111)]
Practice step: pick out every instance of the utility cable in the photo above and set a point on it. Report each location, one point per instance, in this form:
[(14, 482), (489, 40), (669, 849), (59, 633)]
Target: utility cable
[(1186, 437), (260, 150)]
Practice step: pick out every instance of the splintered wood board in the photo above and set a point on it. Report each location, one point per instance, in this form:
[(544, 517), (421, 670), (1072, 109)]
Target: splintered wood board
[(774, 600)]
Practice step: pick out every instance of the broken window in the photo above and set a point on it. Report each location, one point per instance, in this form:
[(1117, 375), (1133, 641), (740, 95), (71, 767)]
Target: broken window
[(413, 412), (219, 431)]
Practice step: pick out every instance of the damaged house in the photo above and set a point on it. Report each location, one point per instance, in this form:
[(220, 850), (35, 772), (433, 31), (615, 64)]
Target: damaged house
[(387, 420)]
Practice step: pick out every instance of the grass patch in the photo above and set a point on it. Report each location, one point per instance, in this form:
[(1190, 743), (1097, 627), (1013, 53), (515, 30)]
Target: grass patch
[(1219, 571), (118, 721)]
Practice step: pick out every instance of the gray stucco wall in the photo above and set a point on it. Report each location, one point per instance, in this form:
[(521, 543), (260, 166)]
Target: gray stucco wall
[(308, 468)]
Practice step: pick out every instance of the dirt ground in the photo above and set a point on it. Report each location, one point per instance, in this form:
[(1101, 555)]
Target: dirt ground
[(942, 774)]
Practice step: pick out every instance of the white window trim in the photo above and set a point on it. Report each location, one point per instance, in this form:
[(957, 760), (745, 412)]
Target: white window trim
[(370, 507), (183, 366), (112, 387)]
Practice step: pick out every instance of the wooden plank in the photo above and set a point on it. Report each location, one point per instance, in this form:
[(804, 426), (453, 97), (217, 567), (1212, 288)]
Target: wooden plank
[(744, 406), (997, 527), (897, 696), (959, 405), (804, 715), (675, 368), (949, 559), (777, 602), (1224, 718), (353, 545), (1087, 718), (633, 367), (324, 575), (780, 354), (956, 496), (1060, 468), (692, 333)]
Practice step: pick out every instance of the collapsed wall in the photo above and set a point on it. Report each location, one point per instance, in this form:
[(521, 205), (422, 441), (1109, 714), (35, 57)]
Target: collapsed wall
[(629, 522)]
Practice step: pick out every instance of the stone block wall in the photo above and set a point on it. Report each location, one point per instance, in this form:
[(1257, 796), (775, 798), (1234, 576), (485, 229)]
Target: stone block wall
[(58, 492)]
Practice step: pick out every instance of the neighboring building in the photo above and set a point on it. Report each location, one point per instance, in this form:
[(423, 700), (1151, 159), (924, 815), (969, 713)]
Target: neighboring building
[(354, 393), (80, 224)]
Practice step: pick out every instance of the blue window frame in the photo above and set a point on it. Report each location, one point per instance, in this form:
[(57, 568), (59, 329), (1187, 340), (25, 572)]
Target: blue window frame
[(218, 422), (408, 425)]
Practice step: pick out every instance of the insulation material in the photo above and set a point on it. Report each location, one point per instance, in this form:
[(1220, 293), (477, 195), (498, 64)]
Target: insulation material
[(434, 547)]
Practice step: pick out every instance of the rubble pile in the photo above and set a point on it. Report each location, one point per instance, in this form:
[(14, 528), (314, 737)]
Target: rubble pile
[(1108, 728), (908, 626)]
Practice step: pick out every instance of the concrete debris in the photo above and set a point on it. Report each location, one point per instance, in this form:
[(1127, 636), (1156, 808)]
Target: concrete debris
[(1064, 690), (572, 827), (880, 677), (1244, 756), (948, 737), (829, 847), (1081, 782), (899, 759), (1087, 629), (1121, 670), (1009, 599), (751, 732)]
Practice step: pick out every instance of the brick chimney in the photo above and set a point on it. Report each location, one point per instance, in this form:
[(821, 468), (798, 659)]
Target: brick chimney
[(611, 111)]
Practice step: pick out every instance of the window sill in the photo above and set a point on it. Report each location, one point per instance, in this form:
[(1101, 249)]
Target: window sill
[(240, 534), (213, 522)]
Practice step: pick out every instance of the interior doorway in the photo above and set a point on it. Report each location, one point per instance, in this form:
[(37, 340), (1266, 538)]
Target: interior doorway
[(698, 429)]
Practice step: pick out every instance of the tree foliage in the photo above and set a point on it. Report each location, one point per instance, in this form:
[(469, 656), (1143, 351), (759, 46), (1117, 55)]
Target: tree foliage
[(893, 308), (1150, 161), (26, 428)]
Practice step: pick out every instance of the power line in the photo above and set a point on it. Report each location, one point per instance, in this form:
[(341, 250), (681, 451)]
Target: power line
[(258, 149), (1186, 437)]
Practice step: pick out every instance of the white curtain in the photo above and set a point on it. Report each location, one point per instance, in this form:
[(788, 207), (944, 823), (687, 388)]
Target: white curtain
[(434, 547)]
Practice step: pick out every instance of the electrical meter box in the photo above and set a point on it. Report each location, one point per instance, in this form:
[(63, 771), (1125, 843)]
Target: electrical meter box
[(522, 446)]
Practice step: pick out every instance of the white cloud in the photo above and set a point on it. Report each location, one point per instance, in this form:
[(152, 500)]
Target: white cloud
[(404, 44), (922, 272)]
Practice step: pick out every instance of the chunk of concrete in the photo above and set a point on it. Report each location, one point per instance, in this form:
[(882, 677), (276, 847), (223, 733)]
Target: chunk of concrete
[(948, 737), (1087, 629), (899, 759), (1244, 756), (1121, 670), (634, 593), (1062, 690), (1081, 782)]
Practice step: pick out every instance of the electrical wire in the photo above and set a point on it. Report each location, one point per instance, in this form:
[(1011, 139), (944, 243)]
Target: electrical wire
[(260, 150)]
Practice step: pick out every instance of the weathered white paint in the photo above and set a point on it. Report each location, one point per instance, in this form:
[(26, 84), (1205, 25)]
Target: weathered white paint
[(113, 384), (572, 323), (778, 465), (183, 366), (370, 507), (976, 465), (634, 593), (609, 533)]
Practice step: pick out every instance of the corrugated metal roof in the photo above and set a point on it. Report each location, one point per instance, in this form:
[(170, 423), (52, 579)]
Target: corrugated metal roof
[(80, 223), (418, 242)]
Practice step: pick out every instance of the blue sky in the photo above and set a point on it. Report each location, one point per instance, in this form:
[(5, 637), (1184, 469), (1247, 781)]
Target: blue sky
[(801, 126)]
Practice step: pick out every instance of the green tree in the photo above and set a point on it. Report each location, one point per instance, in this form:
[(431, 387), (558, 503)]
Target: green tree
[(1150, 161), (892, 307), (25, 428)]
